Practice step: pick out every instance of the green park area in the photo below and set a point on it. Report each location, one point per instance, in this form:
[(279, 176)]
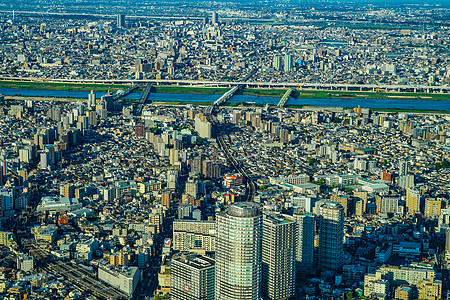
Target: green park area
[(38, 85)]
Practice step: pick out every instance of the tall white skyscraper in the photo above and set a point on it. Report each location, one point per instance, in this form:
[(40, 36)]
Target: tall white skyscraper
[(92, 102), (305, 241), (120, 21), (238, 252), (331, 235), (278, 257)]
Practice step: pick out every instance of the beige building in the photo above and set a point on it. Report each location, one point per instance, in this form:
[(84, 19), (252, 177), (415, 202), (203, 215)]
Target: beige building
[(202, 126), (432, 207), (189, 235), (413, 201), (430, 290), (417, 274), (403, 292)]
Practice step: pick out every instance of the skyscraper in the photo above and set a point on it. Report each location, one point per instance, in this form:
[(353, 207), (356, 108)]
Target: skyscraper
[(331, 235), (120, 21), (288, 62), (278, 257), (305, 241), (92, 102), (278, 62), (192, 277), (214, 18), (238, 252)]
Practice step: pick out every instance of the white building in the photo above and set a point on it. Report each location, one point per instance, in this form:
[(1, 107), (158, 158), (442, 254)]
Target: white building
[(123, 278)]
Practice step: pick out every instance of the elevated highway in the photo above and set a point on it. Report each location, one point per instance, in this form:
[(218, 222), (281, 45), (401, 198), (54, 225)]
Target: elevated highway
[(411, 88)]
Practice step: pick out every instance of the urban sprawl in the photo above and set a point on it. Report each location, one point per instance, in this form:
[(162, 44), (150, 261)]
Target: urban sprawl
[(110, 198)]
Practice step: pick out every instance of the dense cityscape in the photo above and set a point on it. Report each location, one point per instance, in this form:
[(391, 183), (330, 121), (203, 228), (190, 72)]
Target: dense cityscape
[(105, 196)]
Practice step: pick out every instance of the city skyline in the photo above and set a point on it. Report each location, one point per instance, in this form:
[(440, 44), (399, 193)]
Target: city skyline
[(210, 150)]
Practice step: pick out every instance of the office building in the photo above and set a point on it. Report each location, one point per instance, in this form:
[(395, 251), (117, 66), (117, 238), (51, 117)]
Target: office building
[(305, 241), (238, 252), (25, 262), (413, 201), (123, 278), (278, 257), (331, 235), (192, 277), (120, 21)]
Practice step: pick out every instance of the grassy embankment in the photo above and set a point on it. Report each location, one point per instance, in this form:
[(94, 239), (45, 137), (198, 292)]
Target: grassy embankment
[(304, 93), (278, 93), (61, 86)]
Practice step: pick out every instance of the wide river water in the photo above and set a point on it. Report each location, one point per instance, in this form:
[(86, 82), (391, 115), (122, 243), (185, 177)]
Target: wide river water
[(335, 102)]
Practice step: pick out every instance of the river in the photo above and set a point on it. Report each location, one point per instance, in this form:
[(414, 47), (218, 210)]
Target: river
[(443, 105)]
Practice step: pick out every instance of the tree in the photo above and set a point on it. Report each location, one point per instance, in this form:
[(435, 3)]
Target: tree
[(349, 295)]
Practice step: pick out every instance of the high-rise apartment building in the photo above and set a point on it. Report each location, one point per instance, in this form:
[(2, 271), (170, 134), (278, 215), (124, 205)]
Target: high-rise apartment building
[(305, 241), (432, 207), (331, 235), (403, 168), (120, 21), (278, 257), (238, 252), (192, 277), (194, 235), (278, 62), (288, 62), (413, 201), (214, 18), (202, 126)]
